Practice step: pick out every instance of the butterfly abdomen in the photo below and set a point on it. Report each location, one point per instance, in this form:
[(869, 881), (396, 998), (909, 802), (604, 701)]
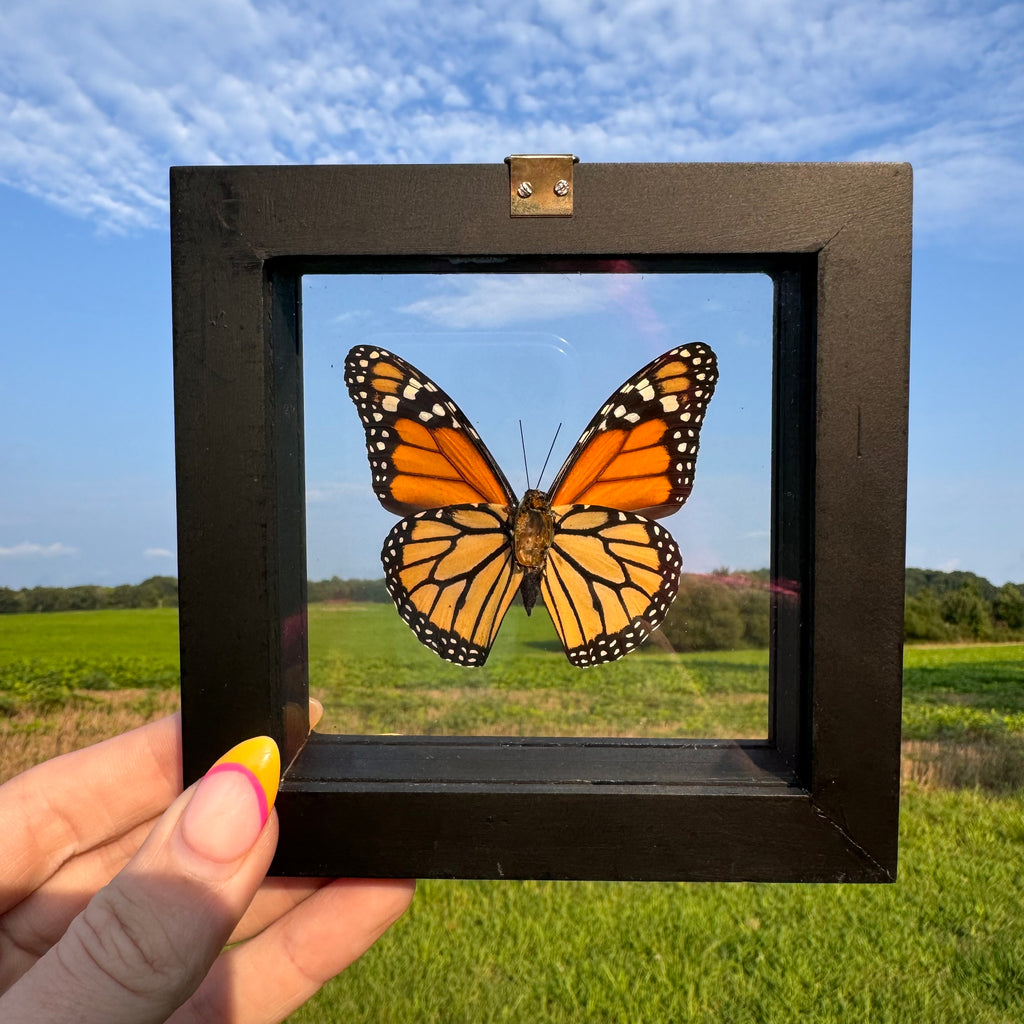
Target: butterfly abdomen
[(533, 531)]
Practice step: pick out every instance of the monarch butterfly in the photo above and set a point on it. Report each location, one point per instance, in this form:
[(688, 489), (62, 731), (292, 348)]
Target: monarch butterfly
[(607, 574)]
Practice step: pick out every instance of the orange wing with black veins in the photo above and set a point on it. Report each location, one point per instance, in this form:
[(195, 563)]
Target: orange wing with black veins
[(638, 453), (423, 451)]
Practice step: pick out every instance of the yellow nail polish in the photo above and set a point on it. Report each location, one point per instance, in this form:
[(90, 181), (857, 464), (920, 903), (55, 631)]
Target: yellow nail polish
[(259, 760)]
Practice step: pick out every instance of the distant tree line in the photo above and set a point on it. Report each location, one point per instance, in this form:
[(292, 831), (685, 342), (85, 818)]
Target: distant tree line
[(952, 606), (336, 589), (156, 592), (719, 611)]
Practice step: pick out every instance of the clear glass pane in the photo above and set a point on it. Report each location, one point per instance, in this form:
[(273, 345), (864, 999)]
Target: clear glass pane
[(546, 350)]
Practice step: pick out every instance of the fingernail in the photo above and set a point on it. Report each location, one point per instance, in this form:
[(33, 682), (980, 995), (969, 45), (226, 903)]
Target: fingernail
[(316, 712), (233, 801)]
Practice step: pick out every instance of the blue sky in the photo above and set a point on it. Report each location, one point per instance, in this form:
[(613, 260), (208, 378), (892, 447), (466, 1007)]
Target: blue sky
[(548, 350), (96, 101)]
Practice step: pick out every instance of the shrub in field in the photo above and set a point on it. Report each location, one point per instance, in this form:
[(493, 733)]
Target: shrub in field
[(755, 611), (719, 612), (48, 682), (958, 722), (31, 682), (1008, 606), (965, 610), (922, 619)]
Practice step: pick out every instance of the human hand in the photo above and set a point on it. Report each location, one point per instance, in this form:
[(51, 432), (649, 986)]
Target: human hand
[(118, 892)]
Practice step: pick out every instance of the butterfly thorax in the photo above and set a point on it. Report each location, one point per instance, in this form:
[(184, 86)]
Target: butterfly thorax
[(533, 530)]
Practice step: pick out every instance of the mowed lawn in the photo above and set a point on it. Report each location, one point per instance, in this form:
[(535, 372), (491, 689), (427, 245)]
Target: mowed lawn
[(942, 944)]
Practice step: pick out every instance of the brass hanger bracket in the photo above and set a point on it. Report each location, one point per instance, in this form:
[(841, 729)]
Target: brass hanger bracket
[(541, 185)]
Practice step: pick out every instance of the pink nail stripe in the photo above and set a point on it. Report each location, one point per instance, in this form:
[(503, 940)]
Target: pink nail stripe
[(261, 796)]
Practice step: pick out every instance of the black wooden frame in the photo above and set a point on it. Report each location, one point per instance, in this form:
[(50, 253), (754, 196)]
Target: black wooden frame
[(817, 801)]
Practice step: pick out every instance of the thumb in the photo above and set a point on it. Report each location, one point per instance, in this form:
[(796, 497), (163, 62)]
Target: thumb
[(145, 941)]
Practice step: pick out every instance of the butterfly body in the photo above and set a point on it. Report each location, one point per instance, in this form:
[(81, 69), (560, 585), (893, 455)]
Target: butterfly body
[(588, 547), (533, 532)]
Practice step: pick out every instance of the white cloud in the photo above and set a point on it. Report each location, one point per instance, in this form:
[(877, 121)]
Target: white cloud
[(494, 302), (97, 100), (159, 553), (27, 549)]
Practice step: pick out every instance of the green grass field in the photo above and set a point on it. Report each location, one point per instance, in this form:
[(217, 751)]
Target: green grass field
[(46, 659), (943, 944), (139, 633), (373, 676)]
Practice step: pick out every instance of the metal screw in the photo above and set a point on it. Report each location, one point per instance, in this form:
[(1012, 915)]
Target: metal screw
[(561, 187), (525, 190)]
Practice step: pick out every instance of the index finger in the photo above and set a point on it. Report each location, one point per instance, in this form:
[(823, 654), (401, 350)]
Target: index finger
[(78, 801)]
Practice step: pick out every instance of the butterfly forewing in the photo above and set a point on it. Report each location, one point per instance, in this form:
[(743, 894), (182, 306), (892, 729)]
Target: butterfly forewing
[(608, 582), (638, 453), (452, 576), (423, 451)]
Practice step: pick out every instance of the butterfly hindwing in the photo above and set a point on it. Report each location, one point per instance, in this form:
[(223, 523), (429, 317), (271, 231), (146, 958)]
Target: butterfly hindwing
[(452, 576), (609, 580), (423, 451), (638, 453)]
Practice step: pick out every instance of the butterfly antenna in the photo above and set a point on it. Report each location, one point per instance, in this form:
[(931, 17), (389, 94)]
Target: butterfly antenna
[(526, 466), (550, 450)]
